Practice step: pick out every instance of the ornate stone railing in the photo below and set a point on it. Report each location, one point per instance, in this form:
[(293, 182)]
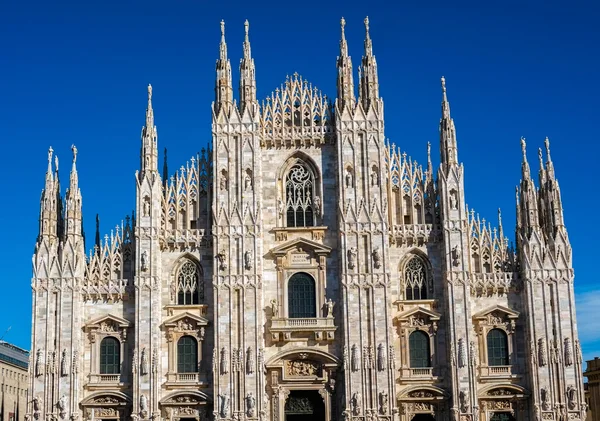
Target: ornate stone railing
[(187, 377), (185, 237), (116, 289), (409, 374), (323, 328), (487, 284), (413, 233), (496, 371)]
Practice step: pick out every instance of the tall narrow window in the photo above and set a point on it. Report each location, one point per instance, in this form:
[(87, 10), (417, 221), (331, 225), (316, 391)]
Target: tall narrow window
[(110, 356), (187, 355), (415, 279), (301, 296), (190, 288), (418, 344), (497, 347), (299, 190)]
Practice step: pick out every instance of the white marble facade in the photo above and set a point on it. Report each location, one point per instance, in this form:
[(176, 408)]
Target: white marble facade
[(304, 268)]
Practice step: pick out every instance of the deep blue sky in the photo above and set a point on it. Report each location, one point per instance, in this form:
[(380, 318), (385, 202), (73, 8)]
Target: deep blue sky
[(76, 72)]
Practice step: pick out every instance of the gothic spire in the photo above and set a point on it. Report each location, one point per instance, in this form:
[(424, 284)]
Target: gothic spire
[(247, 76), (549, 163), (369, 81), (448, 145), (550, 193), (97, 242), (49, 204), (528, 200), (73, 199), (165, 169), (223, 86), (345, 79), (149, 151)]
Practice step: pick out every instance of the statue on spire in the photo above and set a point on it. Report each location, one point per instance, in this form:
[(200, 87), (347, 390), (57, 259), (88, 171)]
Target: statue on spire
[(74, 150)]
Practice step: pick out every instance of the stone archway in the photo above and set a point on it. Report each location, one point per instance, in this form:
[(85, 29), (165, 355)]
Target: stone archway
[(109, 406), (304, 405), (503, 402), (186, 406), (423, 403)]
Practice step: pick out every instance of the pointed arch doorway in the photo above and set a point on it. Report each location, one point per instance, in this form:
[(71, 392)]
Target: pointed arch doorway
[(304, 405), (423, 417)]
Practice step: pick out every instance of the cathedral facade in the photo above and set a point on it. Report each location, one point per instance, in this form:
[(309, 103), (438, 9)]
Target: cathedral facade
[(304, 268)]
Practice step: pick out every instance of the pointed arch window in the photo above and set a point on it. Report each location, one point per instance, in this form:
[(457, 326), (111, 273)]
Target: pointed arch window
[(418, 344), (299, 193), (415, 279), (190, 288), (497, 347), (301, 296), (187, 355), (110, 356)]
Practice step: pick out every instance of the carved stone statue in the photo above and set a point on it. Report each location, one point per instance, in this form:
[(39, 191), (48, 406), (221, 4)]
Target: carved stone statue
[(376, 258), (36, 403), (374, 178), (544, 399), (64, 364), (317, 205), (249, 361), (248, 259), (146, 206), (349, 178), (143, 403), (354, 358), (222, 260), (329, 304), (224, 361), (62, 406), (352, 253), (39, 363), (453, 200), (383, 403), (456, 255), (542, 357), (355, 403), (280, 206), (223, 406), (144, 261), (250, 404), (144, 362), (381, 360), (464, 401), (274, 308), (571, 397), (247, 182), (462, 353), (223, 182)]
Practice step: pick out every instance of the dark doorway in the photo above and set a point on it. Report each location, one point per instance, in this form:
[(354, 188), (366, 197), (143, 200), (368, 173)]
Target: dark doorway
[(502, 416), (423, 417), (304, 405)]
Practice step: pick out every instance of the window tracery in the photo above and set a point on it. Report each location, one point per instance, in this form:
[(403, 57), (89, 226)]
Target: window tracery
[(190, 288), (299, 196), (416, 283)]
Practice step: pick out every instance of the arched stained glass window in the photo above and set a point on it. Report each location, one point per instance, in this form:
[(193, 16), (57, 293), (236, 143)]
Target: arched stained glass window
[(110, 356), (418, 344), (415, 279), (187, 355), (497, 347), (190, 288), (301, 296), (299, 191)]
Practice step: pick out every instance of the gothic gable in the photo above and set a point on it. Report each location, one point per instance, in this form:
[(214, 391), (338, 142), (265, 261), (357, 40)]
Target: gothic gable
[(108, 323), (300, 245), (186, 321)]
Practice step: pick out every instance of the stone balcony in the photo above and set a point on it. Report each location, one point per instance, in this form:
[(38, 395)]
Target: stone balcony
[(409, 374), (179, 380), (496, 372), (107, 381), (290, 329)]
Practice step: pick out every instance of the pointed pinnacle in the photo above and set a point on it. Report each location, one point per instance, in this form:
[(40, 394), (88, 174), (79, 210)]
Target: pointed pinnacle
[(222, 30), (541, 158), (50, 152), (367, 26), (524, 149), (343, 25), (547, 144), (74, 149)]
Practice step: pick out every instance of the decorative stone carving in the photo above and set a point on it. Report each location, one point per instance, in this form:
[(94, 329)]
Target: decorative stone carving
[(75, 363), (250, 405), (144, 261), (542, 358), (453, 200), (107, 326), (143, 405), (62, 406), (464, 401), (420, 394), (462, 353), (280, 207), (376, 258), (144, 362), (302, 368), (223, 181), (247, 181), (352, 253), (355, 403), (249, 361), (39, 363), (368, 356), (329, 304), (544, 398), (222, 260), (571, 397), (383, 403), (274, 308), (224, 361), (248, 259), (354, 358), (349, 178), (155, 360), (146, 206), (578, 351), (317, 205), (381, 359), (472, 354), (374, 177), (64, 364), (568, 352), (456, 255), (223, 405), (51, 364)]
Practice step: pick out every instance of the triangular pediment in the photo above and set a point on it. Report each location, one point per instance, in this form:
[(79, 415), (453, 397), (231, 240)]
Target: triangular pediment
[(419, 312), (108, 321), (507, 312), (186, 317), (300, 244)]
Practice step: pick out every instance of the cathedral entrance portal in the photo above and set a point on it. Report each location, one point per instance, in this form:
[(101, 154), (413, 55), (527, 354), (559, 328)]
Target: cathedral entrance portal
[(304, 405)]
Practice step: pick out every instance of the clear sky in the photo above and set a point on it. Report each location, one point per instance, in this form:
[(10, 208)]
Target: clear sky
[(77, 72)]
